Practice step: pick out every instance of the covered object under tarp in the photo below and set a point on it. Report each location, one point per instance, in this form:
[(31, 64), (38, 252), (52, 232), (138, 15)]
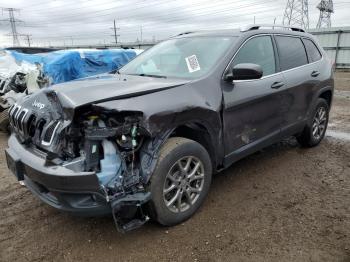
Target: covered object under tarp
[(22, 74), (65, 65)]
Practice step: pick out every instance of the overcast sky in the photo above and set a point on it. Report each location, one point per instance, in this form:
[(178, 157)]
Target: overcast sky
[(63, 22)]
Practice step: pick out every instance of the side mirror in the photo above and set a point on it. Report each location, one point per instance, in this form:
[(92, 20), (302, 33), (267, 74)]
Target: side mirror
[(245, 72)]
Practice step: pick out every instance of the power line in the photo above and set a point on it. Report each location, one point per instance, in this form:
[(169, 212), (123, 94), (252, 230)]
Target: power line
[(174, 18), (157, 26), (169, 20), (93, 12), (129, 13), (64, 6), (207, 11)]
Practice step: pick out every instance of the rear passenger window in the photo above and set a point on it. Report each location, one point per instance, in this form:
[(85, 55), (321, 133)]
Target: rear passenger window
[(312, 51), (258, 50), (291, 52)]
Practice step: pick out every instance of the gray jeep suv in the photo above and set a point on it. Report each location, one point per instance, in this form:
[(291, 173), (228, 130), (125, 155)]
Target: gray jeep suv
[(144, 142)]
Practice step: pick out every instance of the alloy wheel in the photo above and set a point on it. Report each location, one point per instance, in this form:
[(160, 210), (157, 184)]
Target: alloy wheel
[(319, 123), (183, 184)]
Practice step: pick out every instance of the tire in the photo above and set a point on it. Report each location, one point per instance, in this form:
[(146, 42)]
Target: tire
[(308, 138), (4, 120), (175, 152)]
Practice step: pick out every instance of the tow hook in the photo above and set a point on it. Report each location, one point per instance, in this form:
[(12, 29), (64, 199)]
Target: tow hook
[(127, 211)]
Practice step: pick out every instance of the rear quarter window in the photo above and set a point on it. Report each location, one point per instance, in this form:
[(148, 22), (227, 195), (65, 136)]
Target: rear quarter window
[(312, 51), (291, 52)]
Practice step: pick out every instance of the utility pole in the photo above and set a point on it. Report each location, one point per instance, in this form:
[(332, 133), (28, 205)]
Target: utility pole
[(13, 22), (115, 28), (326, 9), (27, 39), (297, 13), (141, 33)]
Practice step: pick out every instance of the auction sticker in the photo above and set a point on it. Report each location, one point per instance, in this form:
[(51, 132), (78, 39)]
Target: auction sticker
[(192, 63)]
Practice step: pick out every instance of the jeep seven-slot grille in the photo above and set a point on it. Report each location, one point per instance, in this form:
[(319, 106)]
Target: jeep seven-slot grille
[(28, 125)]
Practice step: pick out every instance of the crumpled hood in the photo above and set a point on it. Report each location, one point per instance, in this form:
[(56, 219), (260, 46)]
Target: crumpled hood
[(110, 87)]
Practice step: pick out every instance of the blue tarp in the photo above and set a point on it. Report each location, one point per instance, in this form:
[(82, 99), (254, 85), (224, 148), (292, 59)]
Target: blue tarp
[(65, 65)]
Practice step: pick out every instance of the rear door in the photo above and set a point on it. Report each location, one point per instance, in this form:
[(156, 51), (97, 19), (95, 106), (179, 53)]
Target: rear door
[(301, 78), (252, 107)]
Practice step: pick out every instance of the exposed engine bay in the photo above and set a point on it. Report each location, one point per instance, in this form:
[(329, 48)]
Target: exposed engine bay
[(110, 144)]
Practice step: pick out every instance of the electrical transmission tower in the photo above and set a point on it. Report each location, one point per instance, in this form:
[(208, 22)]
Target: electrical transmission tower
[(326, 9), (297, 13), (13, 22)]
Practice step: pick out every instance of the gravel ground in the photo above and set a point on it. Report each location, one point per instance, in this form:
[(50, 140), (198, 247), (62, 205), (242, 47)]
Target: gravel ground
[(284, 203)]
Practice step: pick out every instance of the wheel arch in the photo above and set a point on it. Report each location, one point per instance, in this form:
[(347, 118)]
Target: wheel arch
[(327, 95), (202, 135)]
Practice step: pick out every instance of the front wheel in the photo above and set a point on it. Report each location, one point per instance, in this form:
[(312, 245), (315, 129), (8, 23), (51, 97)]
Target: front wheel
[(180, 182), (316, 128)]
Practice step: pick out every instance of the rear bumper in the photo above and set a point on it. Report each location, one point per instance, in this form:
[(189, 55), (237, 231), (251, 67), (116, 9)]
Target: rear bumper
[(60, 187)]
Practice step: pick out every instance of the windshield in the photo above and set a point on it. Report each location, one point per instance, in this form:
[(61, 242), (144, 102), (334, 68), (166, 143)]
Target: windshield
[(190, 57)]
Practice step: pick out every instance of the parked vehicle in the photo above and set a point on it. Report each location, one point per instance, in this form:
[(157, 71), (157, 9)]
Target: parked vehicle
[(144, 142)]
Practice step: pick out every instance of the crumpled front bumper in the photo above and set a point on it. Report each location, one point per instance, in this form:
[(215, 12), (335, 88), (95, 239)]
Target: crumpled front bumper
[(76, 192)]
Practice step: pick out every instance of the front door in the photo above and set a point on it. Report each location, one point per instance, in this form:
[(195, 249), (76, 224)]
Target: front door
[(252, 107)]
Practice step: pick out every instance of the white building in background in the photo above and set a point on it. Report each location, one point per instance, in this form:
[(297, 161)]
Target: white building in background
[(336, 42)]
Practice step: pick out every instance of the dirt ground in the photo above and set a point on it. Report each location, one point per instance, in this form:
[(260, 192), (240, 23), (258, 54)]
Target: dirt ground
[(282, 204)]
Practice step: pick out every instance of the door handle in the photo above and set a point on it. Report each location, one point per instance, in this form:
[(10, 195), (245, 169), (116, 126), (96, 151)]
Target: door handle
[(277, 85), (315, 73)]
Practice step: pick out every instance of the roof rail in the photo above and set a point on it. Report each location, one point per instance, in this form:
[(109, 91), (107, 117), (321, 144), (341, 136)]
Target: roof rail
[(272, 26), (184, 33)]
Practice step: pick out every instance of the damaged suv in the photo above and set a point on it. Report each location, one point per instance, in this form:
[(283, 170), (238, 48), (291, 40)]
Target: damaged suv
[(144, 142)]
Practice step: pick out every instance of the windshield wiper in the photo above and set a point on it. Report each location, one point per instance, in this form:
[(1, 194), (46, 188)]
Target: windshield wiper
[(115, 71), (149, 75)]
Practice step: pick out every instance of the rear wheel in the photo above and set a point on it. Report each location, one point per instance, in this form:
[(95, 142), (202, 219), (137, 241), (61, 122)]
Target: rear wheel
[(180, 182), (316, 128)]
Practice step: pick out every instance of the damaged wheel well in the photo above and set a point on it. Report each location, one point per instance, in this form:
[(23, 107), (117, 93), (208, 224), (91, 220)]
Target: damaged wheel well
[(200, 134)]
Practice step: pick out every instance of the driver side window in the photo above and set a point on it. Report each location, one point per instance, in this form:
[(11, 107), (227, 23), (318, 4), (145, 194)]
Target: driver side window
[(258, 50)]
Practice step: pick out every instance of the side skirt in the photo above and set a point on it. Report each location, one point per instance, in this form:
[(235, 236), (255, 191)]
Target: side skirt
[(266, 141)]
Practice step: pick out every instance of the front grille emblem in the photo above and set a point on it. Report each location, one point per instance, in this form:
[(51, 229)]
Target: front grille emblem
[(38, 104)]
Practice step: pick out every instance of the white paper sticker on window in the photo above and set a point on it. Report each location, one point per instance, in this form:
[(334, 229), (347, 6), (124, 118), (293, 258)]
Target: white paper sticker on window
[(94, 149), (192, 63)]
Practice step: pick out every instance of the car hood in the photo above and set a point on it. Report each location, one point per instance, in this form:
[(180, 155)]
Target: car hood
[(106, 87)]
